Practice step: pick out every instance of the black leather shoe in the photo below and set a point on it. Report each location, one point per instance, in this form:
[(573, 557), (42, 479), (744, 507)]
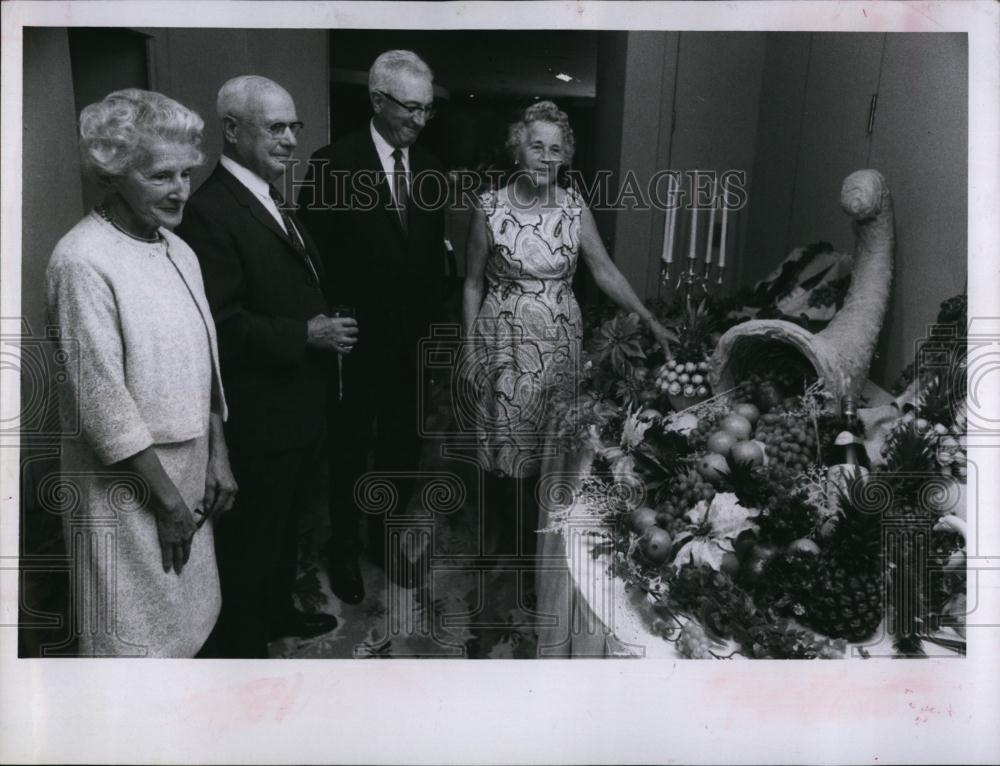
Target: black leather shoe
[(303, 625), (345, 580)]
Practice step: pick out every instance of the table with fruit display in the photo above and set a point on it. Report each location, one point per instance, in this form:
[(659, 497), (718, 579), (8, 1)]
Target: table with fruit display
[(755, 495)]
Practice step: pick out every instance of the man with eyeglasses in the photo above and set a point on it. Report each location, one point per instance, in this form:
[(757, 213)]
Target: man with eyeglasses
[(383, 247), (263, 278)]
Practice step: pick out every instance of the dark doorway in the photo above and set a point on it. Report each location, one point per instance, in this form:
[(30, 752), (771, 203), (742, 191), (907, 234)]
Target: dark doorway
[(103, 61)]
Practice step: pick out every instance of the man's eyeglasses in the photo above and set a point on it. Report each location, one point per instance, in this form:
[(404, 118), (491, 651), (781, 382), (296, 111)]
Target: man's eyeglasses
[(275, 129), (412, 109)]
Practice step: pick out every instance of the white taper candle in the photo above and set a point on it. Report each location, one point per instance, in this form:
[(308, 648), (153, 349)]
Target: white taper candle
[(669, 222), (725, 222), (693, 243), (711, 221)]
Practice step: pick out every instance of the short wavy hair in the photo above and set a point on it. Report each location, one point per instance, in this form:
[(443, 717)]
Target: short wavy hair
[(389, 65), (117, 132), (541, 111)]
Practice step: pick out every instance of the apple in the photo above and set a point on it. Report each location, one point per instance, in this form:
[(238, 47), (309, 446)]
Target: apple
[(713, 466), (641, 519), (747, 410), (721, 442), (747, 452), (804, 546), (737, 425), (674, 388), (730, 564), (655, 545)]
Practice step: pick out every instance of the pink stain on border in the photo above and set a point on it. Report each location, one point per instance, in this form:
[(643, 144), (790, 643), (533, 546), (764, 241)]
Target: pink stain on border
[(823, 697), (262, 701)]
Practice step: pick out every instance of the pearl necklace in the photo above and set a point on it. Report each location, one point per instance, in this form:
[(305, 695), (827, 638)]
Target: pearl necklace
[(103, 211)]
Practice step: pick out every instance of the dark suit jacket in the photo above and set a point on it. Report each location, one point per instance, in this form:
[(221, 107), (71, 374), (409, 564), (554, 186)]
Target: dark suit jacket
[(262, 293), (395, 280)]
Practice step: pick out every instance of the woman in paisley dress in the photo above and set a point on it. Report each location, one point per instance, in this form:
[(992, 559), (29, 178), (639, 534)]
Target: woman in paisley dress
[(523, 331)]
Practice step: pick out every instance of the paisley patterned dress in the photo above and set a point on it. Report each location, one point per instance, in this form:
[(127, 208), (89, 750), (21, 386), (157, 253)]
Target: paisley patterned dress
[(528, 331)]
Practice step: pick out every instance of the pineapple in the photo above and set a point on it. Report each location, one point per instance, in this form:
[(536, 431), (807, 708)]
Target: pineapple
[(846, 598), (693, 332), (911, 460), (845, 605)]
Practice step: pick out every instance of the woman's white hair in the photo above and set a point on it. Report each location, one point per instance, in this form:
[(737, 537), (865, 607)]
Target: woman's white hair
[(541, 111), (117, 132), (238, 95), (391, 64)]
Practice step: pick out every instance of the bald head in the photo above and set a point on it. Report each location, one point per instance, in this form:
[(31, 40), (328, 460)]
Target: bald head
[(259, 124), (242, 95)]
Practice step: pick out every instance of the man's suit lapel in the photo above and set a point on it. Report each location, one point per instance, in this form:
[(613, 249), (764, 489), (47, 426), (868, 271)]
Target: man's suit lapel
[(248, 200)]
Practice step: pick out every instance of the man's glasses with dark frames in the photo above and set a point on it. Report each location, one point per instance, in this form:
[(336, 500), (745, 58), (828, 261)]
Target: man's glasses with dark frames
[(276, 129), (412, 109)]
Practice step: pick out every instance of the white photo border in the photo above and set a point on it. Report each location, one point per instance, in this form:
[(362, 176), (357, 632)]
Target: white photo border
[(431, 711)]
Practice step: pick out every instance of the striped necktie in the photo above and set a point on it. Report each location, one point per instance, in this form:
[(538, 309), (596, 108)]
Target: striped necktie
[(292, 231)]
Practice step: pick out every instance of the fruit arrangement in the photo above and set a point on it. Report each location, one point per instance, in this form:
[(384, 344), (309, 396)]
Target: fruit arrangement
[(740, 540), (790, 440), (746, 552), (687, 379)]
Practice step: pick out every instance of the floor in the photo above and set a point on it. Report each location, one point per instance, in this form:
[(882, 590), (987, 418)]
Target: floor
[(464, 606)]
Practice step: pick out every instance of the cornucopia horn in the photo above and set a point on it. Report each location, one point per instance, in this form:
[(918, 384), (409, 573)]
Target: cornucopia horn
[(840, 353)]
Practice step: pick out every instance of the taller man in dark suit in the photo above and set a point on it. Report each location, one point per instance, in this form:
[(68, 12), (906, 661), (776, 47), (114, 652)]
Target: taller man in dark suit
[(374, 203), (263, 277)]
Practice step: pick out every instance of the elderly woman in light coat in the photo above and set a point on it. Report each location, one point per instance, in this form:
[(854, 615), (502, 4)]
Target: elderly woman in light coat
[(143, 447)]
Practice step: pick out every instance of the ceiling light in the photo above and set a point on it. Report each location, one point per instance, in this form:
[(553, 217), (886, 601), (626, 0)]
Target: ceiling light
[(564, 77)]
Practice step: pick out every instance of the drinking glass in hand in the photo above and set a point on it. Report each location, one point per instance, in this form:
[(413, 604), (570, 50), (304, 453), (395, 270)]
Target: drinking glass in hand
[(341, 311)]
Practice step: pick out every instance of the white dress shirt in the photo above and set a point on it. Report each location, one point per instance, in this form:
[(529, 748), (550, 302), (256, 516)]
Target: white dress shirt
[(260, 188), (385, 150)]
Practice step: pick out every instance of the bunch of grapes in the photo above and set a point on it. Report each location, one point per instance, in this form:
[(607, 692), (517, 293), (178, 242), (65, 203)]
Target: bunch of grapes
[(698, 436), (693, 642), (789, 441), (774, 386), (678, 496)]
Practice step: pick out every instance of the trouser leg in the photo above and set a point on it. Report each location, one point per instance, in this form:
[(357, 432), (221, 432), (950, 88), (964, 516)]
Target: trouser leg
[(256, 549), (348, 442)]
